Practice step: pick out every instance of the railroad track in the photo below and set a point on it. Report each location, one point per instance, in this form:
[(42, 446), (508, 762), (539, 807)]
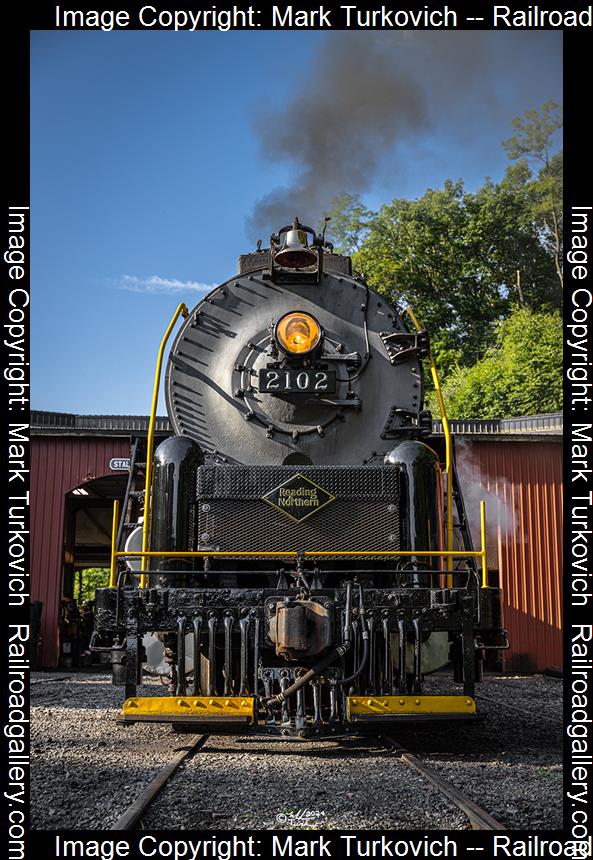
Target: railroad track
[(38, 681), (138, 807), (479, 819), (525, 712)]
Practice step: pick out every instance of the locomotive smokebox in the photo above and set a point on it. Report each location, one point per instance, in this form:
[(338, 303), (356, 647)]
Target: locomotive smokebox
[(176, 462)]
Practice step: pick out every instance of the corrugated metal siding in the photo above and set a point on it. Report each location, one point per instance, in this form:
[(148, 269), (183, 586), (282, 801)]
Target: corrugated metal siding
[(58, 465), (522, 485)]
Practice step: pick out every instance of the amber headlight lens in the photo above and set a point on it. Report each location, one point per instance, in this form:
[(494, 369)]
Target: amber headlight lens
[(298, 333)]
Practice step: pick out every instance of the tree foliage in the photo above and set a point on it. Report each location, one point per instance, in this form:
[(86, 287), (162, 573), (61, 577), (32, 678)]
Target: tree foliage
[(532, 145), (465, 260), (349, 223), (454, 256), (521, 374), (92, 579)]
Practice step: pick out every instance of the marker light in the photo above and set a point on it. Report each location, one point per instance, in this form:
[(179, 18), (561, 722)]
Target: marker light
[(298, 333)]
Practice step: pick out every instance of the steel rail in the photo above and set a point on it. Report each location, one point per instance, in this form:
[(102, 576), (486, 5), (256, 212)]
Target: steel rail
[(49, 680), (555, 721), (478, 817), (134, 812)]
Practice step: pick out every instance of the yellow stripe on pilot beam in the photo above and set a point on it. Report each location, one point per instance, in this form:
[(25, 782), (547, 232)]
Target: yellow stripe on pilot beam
[(378, 706), (190, 706)]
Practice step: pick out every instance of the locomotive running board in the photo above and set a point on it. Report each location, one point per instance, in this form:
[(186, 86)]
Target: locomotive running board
[(376, 709), (227, 710)]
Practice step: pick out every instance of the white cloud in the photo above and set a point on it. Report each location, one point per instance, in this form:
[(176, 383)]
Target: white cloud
[(155, 284)]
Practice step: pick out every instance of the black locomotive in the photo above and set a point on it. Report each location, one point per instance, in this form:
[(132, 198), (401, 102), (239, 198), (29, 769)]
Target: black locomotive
[(301, 562)]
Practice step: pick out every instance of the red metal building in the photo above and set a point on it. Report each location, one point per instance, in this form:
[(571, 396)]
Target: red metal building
[(74, 481), (515, 464)]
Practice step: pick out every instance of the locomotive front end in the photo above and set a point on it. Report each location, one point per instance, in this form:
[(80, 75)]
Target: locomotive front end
[(304, 553)]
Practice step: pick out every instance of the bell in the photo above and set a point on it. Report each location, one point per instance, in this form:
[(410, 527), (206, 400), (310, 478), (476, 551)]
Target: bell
[(295, 252)]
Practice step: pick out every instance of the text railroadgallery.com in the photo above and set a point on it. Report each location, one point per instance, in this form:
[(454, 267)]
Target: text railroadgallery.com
[(579, 494), (15, 531)]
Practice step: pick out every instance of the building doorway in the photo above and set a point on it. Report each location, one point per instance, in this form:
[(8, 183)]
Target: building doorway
[(86, 560)]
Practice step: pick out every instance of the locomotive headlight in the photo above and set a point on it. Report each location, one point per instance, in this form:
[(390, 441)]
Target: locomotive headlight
[(298, 333)]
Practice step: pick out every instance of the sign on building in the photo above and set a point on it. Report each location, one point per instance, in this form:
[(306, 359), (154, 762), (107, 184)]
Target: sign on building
[(119, 464)]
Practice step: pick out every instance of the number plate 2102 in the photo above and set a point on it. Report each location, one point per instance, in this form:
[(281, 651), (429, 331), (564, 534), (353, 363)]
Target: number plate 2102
[(286, 380)]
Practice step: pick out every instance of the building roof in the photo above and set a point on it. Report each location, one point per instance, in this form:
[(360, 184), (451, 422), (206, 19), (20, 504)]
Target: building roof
[(527, 428), (68, 424), (530, 427)]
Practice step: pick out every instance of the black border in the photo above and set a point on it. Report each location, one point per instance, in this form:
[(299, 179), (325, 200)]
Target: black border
[(578, 191), (17, 24)]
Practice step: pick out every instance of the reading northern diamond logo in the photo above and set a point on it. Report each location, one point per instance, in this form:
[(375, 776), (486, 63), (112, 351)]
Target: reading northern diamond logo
[(298, 498)]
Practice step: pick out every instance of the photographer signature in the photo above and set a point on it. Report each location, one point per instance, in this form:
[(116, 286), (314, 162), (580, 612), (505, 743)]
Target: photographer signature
[(300, 816)]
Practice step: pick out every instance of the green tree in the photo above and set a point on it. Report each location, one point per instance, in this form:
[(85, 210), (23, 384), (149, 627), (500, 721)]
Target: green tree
[(520, 375), (349, 223), (465, 260), (93, 578), (454, 255), (416, 253), (532, 145)]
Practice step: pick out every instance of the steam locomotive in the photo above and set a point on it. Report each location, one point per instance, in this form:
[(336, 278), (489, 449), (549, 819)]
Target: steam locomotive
[(301, 549)]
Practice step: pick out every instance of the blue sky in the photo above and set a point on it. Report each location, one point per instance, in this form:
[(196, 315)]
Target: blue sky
[(146, 163)]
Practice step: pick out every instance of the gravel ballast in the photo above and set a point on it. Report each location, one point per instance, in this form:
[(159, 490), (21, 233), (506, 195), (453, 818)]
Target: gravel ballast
[(86, 770)]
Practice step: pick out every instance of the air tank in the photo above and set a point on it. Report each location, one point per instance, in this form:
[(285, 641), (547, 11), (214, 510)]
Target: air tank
[(421, 501), (421, 528), (176, 461)]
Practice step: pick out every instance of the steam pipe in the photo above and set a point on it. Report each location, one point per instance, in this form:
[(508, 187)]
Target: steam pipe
[(348, 613), (197, 626), (317, 669), (181, 685), (341, 682)]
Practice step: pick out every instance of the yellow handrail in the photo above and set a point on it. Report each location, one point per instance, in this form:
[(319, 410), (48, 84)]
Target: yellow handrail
[(182, 309), (387, 553), (483, 542), (293, 553), (112, 572), (447, 434)]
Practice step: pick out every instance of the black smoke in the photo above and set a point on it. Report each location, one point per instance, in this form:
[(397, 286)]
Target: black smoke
[(366, 98)]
